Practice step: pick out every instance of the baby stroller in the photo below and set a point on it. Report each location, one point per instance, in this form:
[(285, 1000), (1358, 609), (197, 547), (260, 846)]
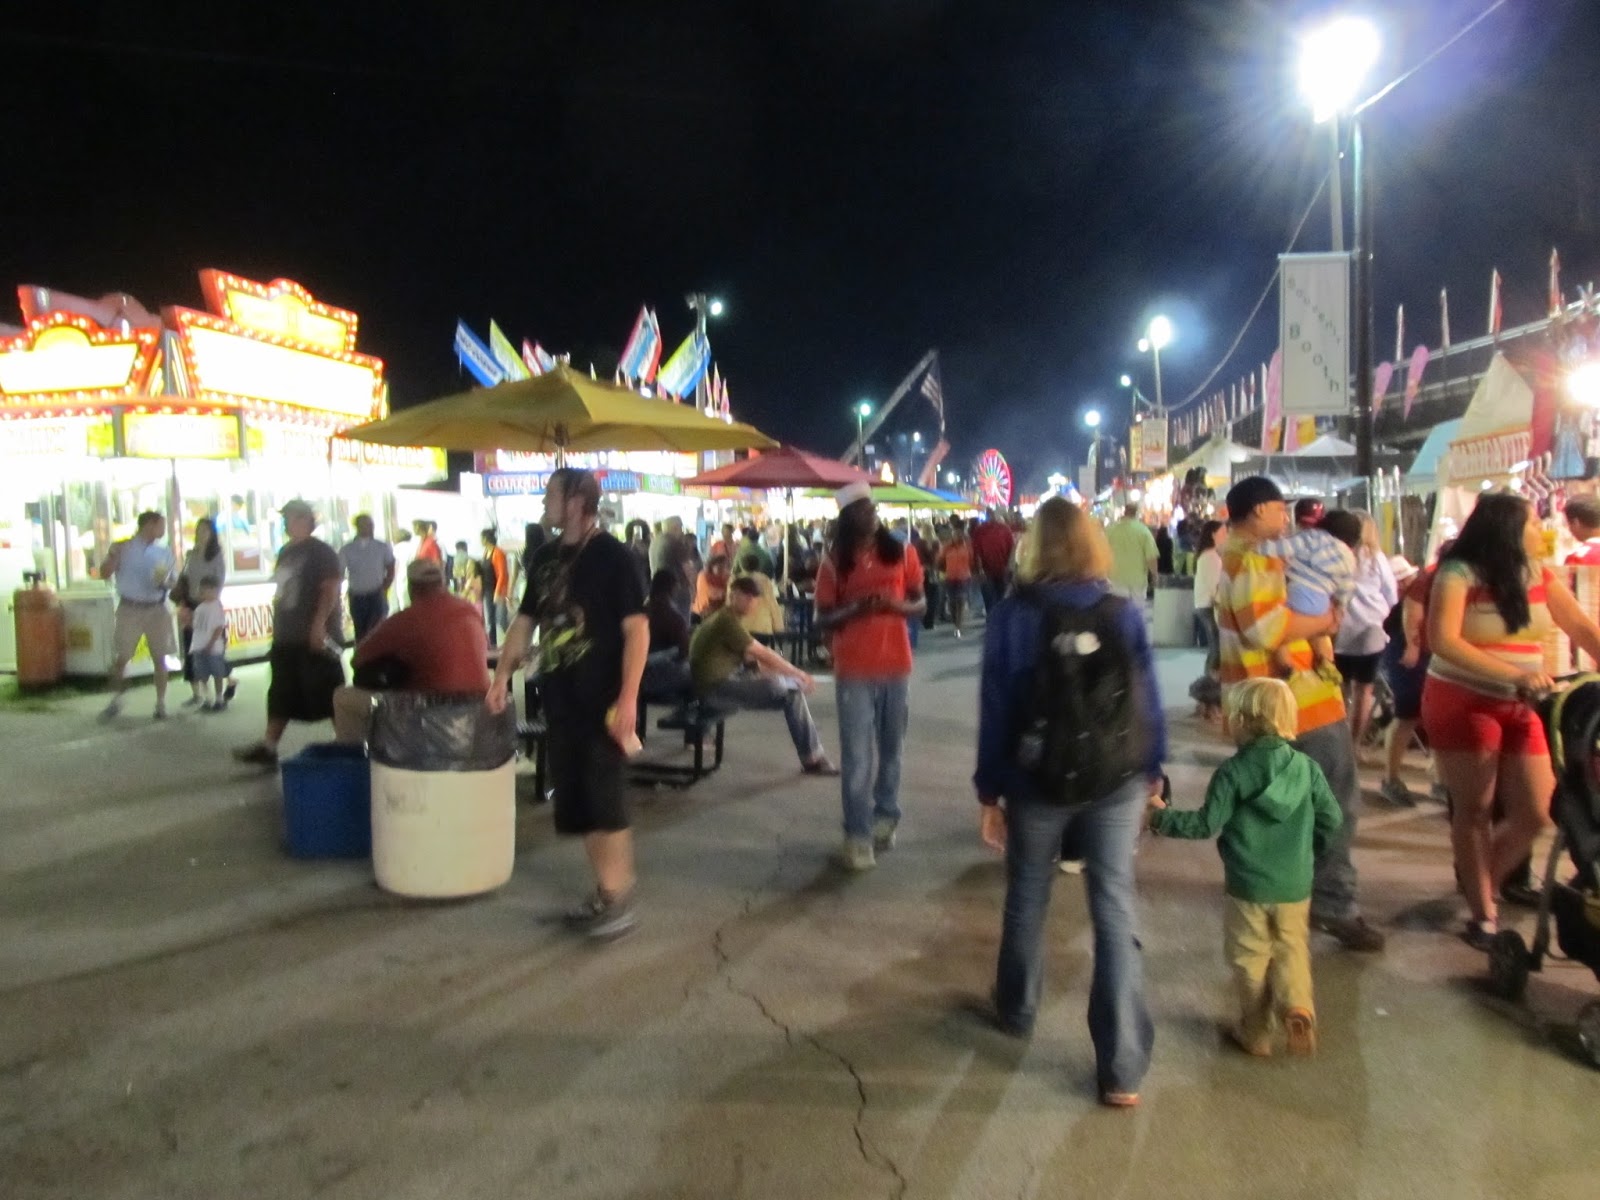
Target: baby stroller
[(1572, 725)]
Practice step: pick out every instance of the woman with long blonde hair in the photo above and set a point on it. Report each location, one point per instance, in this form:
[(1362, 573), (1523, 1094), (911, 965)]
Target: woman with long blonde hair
[(1063, 566)]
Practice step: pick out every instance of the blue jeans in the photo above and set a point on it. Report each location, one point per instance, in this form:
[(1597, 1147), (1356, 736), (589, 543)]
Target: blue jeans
[(1105, 833), (366, 610), (872, 717), (1333, 888), (755, 692)]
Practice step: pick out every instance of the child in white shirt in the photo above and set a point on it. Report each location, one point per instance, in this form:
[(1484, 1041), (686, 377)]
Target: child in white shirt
[(208, 651)]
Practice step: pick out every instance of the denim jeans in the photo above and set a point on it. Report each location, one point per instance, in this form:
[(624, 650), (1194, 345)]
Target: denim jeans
[(366, 610), (872, 717), (1333, 888), (765, 693), (1105, 833)]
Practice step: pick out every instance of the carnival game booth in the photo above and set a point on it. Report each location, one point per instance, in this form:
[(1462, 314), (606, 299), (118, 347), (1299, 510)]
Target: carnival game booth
[(107, 410), (1492, 448)]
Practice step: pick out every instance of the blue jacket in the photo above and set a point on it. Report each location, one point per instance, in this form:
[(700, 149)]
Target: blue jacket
[(1010, 647)]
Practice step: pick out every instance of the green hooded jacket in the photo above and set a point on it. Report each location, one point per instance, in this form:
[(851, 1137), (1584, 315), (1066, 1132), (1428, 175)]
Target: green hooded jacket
[(1274, 810)]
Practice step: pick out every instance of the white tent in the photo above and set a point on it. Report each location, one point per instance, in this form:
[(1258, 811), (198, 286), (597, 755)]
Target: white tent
[(1326, 446), (1494, 441), (1218, 457)]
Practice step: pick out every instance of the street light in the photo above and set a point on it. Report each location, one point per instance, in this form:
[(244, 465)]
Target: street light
[(1157, 337), (716, 308), (1335, 60), (1126, 381), (863, 411), (1583, 385)]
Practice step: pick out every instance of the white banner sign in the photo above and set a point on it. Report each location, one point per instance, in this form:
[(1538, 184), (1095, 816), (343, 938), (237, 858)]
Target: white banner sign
[(1153, 442), (1314, 333)]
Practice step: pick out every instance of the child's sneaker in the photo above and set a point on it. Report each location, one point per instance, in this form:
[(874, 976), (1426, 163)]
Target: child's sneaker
[(1300, 1030)]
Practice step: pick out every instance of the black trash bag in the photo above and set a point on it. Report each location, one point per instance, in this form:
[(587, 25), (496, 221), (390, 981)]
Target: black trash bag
[(427, 731)]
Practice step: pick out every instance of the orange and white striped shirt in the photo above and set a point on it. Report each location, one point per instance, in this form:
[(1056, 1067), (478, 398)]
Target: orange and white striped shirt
[(1485, 630)]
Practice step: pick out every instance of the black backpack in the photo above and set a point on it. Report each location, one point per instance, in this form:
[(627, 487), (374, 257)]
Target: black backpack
[(1082, 734)]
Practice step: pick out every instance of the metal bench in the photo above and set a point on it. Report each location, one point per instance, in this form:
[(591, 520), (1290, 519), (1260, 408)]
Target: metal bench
[(697, 720)]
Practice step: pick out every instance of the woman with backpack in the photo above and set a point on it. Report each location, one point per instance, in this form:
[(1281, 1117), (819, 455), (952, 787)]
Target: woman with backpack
[(1070, 744)]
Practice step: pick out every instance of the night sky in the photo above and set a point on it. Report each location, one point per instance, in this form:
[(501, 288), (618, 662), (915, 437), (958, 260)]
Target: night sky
[(1019, 184)]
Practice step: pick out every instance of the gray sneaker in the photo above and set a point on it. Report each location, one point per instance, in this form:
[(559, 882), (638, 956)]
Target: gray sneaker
[(883, 834), (602, 916), (857, 855), (1397, 793), (112, 710)]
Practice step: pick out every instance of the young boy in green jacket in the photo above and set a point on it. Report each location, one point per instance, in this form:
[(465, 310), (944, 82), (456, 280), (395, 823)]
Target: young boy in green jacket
[(1274, 810)]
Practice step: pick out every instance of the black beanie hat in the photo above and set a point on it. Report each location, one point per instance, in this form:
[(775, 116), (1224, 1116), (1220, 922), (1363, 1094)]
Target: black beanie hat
[(1250, 494)]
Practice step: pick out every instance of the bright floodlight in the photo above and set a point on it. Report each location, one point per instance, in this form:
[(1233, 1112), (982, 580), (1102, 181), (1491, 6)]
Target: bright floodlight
[(1144, 345), (1092, 418), (952, 477), (917, 436), (1334, 61), (716, 308), (1127, 381), (1160, 333), (1584, 384), (864, 408)]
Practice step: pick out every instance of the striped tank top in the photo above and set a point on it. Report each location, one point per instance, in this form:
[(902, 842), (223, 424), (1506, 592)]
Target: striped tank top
[(1483, 628)]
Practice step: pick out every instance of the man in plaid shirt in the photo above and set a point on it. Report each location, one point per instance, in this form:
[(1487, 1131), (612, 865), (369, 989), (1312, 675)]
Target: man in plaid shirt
[(1254, 623)]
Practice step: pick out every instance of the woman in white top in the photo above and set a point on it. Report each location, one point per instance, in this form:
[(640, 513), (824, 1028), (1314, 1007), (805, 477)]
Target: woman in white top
[(1207, 574), (1358, 646), (204, 563)]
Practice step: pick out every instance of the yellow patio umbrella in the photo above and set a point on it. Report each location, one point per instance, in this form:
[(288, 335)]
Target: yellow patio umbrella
[(558, 412)]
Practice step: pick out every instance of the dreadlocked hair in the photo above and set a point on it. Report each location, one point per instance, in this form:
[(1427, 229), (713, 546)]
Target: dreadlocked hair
[(886, 545)]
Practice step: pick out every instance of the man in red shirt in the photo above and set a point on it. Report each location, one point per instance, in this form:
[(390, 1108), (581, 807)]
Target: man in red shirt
[(867, 587), (436, 645), (992, 544), (1583, 519)]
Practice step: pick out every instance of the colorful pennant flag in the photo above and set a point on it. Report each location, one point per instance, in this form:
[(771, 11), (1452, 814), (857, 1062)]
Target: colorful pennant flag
[(682, 373), (642, 354), (1555, 282), (1399, 333), (1272, 410), (1496, 305), (505, 354), (536, 358), (1444, 318), (476, 358), (1382, 374), (1418, 364)]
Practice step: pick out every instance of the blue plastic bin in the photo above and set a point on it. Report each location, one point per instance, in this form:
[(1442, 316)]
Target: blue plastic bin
[(327, 802)]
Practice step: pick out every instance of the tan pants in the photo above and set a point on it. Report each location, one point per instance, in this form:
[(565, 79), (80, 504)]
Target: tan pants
[(1269, 948)]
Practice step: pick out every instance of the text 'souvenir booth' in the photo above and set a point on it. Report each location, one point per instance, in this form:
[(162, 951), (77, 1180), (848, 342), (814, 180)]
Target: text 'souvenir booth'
[(107, 410)]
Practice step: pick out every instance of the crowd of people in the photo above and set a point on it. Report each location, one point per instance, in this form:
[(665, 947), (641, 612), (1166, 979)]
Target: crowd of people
[(1301, 611)]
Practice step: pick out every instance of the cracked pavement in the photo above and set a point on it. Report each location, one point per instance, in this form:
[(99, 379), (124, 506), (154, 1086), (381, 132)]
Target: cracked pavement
[(185, 1012)]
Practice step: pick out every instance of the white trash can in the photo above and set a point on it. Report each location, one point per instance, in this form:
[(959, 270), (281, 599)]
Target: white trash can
[(444, 795), (442, 834), (1172, 617)]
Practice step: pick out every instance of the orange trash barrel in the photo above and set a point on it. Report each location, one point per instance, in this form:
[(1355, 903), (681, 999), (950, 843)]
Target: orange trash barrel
[(41, 635)]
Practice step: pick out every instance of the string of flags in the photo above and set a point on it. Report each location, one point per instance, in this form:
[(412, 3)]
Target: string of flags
[(1260, 391), (495, 360)]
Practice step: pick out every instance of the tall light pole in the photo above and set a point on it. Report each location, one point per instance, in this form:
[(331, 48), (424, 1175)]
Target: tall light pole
[(1091, 420), (1156, 339), (863, 411), (1335, 60)]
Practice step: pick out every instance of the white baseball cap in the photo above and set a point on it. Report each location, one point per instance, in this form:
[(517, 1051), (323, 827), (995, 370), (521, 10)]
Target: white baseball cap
[(851, 493)]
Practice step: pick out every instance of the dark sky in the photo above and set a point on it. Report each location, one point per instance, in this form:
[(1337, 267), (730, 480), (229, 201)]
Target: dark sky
[(1019, 184)]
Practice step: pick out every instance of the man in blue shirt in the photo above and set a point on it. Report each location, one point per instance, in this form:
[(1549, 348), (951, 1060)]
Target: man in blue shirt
[(143, 572)]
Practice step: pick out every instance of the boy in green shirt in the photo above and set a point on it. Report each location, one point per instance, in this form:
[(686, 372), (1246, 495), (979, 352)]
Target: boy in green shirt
[(1274, 810)]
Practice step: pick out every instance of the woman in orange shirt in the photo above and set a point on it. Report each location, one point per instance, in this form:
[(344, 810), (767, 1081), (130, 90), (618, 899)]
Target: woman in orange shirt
[(868, 585), (711, 588), (956, 563)]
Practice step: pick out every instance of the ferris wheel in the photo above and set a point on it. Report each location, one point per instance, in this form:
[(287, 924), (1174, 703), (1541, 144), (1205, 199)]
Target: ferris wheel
[(994, 479)]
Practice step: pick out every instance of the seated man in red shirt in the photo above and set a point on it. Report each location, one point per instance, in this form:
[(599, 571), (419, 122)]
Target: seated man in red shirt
[(437, 644), (1583, 519)]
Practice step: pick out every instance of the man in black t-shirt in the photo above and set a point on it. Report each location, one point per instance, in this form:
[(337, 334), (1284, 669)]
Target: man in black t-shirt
[(585, 598)]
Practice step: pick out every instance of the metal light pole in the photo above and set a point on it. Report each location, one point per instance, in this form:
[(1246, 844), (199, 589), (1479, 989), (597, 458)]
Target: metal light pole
[(863, 411), (1092, 420), (1334, 61)]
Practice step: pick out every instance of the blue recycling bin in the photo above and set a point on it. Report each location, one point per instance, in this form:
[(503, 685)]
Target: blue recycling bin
[(327, 802)]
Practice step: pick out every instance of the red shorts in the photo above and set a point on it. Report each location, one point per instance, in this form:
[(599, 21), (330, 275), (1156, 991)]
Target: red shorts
[(1460, 720)]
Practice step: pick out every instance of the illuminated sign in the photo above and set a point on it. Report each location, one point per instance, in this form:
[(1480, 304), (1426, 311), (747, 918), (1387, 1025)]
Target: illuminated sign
[(371, 454), (281, 308), (180, 435), (231, 364), (68, 437), (644, 462), (63, 360)]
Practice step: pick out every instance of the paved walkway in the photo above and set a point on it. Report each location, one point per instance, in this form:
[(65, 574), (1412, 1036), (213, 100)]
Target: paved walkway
[(186, 1013)]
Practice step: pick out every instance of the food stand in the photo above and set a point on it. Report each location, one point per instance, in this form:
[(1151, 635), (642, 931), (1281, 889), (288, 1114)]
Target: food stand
[(225, 411)]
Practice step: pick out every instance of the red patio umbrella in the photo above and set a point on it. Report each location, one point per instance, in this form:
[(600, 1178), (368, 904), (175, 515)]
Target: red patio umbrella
[(786, 467)]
